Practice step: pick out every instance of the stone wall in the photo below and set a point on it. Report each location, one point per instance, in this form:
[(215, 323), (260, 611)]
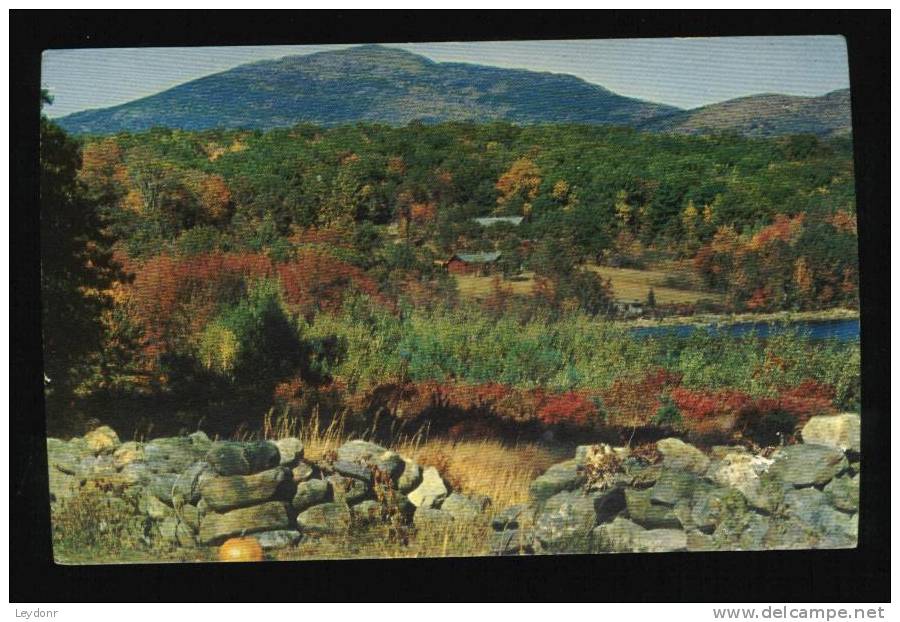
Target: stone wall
[(674, 497), (679, 498)]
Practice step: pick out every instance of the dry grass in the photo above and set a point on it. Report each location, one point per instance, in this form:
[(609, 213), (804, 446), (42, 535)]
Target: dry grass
[(486, 467), (633, 285), (489, 467), (628, 284), (478, 287)]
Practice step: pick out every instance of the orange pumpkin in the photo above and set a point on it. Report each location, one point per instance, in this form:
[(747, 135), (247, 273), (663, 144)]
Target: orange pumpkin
[(244, 549)]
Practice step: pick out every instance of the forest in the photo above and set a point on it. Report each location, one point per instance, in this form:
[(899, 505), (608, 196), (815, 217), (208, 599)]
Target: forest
[(215, 275)]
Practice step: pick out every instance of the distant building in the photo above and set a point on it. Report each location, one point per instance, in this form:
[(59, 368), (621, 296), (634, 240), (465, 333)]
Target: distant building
[(493, 220), (472, 263)]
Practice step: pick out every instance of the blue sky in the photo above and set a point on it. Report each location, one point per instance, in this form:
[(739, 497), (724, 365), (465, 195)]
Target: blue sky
[(681, 72)]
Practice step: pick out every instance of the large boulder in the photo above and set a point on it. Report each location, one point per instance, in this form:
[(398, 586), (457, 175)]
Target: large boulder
[(711, 505), (811, 507), (843, 493), (325, 518), (223, 493), (673, 486), (128, 453), (162, 486), (171, 454), (743, 471), (175, 531), (270, 516), (431, 492), (235, 458), (624, 536), (643, 511), (410, 477), (808, 465), (565, 522), (562, 477), (364, 452), (290, 450), (355, 470), (279, 539), (681, 456), (302, 472), (840, 431), (153, 507), (102, 440), (187, 483), (67, 456), (310, 493), (466, 507), (347, 490)]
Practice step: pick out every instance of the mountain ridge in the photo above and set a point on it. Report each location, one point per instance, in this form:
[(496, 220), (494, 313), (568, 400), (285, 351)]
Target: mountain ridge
[(379, 84)]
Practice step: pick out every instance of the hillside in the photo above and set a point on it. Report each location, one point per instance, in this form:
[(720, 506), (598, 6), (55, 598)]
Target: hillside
[(763, 116), (367, 83)]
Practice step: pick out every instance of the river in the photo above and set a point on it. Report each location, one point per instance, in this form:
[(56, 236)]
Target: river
[(840, 330)]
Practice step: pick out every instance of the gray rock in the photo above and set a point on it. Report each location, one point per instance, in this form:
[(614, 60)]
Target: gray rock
[(617, 536), (162, 486), (672, 486), (368, 511), (282, 538), (838, 431), (187, 483), (508, 518), (136, 474), (843, 493), (466, 507), (565, 476), (290, 450), (170, 455), (347, 490), (410, 477), (67, 456), (233, 458), (431, 492), (127, 453), (680, 456), (510, 542), (302, 472), (154, 508), (97, 467), (643, 511), (431, 520), (711, 505), (745, 472), (325, 518), (190, 516), (271, 516), (364, 452), (176, 532), (354, 470), (310, 493), (223, 493), (808, 465), (200, 442), (565, 522), (811, 507)]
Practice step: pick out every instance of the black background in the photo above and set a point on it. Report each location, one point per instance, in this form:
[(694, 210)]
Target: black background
[(855, 575)]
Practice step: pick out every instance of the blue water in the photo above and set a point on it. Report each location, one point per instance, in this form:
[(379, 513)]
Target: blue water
[(841, 330)]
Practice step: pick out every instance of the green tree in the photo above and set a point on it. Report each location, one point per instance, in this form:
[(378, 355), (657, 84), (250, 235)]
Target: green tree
[(77, 269)]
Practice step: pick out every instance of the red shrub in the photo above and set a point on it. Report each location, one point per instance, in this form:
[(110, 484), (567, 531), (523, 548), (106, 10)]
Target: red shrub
[(575, 409), (630, 403)]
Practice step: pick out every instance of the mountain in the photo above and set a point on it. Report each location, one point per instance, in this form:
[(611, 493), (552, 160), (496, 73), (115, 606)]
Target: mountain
[(367, 83), (763, 115)]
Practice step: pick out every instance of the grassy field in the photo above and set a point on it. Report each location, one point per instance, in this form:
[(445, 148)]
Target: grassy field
[(629, 285)]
